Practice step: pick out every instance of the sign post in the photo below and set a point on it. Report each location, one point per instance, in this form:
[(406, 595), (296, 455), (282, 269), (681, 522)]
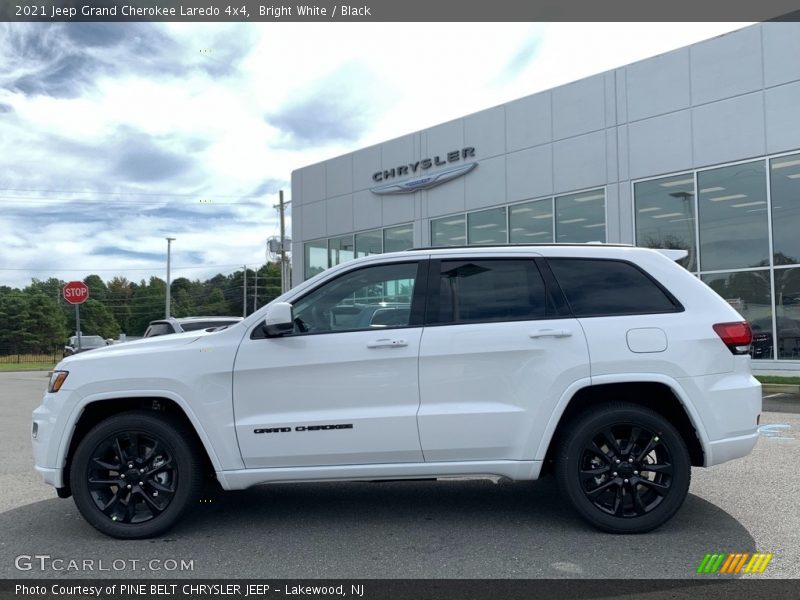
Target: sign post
[(76, 292)]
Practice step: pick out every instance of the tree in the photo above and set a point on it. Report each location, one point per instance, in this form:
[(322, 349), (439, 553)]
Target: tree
[(97, 288), (96, 319), (45, 323), (120, 292), (13, 315), (147, 304)]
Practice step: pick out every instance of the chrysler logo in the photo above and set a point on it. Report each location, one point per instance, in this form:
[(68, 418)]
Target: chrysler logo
[(426, 182)]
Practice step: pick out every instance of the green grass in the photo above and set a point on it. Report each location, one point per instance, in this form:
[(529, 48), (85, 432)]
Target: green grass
[(27, 366), (778, 379)]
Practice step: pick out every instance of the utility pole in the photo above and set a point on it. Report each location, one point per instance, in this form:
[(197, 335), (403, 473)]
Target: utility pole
[(285, 270), (255, 290), (244, 291), (169, 282)]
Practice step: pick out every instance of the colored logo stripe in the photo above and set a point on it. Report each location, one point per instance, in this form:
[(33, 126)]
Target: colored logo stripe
[(733, 563)]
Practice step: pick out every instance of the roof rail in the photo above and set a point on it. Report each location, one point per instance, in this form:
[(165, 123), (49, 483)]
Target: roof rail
[(523, 245)]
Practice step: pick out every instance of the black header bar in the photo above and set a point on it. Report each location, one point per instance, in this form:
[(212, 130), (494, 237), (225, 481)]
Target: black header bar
[(398, 10)]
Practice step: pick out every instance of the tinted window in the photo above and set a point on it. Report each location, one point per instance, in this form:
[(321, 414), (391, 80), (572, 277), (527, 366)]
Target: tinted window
[(159, 329), (608, 287), (489, 290), (369, 298)]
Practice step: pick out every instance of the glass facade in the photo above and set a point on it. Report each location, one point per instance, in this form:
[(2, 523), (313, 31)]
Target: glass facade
[(316, 257), (580, 218), (732, 207), (340, 249), (397, 239), (531, 222), (784, 177), (369, 242), (487, 227), (787, 313), (722, 216), (665, 218), (449, 231), (325, 253)]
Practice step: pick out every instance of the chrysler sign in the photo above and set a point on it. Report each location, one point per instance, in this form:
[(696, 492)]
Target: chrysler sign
[(428, 180)]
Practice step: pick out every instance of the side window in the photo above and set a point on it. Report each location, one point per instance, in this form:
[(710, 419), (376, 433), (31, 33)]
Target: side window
[(158, 329), (485, 291), (369, 298), (597, 287)]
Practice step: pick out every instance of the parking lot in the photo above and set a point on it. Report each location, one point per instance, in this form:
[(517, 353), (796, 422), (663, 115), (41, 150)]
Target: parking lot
[(414, 529)]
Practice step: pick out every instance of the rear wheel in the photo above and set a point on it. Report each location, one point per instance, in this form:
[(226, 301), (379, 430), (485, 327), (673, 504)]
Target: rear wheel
[(135, 474), (624, 468)]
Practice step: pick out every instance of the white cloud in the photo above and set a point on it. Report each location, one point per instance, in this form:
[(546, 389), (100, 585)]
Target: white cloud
[(209, 95)]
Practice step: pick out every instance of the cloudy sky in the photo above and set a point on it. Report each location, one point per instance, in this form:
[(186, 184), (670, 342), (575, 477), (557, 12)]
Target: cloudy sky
[(115, 136)]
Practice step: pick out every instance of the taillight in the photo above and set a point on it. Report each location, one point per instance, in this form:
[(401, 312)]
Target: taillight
[(736, 336)]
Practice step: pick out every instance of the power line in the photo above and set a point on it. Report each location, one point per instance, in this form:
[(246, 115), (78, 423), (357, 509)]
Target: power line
[(163, 194), (93, 269)]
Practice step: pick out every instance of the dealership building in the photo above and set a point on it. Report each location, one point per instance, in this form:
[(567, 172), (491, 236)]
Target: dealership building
[(698, 148)]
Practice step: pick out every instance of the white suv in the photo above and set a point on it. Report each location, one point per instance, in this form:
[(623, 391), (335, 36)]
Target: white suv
[(611, 366)]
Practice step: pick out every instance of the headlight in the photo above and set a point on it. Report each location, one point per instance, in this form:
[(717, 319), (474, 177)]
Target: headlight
[(57, 379)]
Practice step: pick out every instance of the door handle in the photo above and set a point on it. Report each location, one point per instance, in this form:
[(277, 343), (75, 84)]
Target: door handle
[(554, 333), (387, 343)]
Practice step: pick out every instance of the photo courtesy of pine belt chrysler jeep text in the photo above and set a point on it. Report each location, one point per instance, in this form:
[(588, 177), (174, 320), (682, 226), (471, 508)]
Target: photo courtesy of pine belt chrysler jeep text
[(611, 367)]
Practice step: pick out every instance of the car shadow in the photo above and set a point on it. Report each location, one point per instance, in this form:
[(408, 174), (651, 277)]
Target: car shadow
[(405, 529)]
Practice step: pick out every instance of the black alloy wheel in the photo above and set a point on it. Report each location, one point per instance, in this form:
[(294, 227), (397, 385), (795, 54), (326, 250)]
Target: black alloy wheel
[(132, 477), (135, 474), (624, 468)]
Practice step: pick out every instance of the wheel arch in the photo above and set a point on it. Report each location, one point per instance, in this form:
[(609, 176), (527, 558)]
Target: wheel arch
[(96, 409), (652, 393)]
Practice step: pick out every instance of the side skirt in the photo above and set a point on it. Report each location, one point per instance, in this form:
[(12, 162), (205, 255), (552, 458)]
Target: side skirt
[(511, 469)]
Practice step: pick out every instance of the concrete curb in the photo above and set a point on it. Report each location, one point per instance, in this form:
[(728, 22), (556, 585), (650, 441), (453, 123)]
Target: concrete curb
[(781, 388)]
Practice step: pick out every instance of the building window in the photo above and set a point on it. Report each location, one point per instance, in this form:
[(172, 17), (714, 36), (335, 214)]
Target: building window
[(321, 254), (340, 249), (732, 219), (581, 218), (749, 293), (664, 210), (487, 227), (787, 312), (449, 231), (397, 239), (316, 257), (531, 222), (369, 242), (785, 190)]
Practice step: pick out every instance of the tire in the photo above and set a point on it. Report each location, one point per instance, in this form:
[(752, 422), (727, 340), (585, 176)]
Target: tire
[(624, 468), (143, 495)]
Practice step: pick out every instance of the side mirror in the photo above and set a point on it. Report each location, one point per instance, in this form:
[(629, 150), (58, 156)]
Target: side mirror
[(278, 320)]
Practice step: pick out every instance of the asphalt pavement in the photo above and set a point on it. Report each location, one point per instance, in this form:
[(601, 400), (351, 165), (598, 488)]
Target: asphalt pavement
[(413, 529)]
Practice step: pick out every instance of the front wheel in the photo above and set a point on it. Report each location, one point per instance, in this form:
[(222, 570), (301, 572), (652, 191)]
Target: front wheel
[(624, 468), (135, 474)]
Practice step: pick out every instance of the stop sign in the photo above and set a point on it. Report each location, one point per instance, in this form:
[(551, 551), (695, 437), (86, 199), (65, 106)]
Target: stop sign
[(76, 292)]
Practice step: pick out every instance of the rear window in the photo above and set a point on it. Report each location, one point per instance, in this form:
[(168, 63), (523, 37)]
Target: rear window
[(158, 329), (598, 287)]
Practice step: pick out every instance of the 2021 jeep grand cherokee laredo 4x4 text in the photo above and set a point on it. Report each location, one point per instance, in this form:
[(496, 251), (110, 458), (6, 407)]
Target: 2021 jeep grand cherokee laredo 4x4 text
[(612, 365)]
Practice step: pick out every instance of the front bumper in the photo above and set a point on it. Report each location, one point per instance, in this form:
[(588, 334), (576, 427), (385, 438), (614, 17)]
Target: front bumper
[(49, 420), (54, 477)]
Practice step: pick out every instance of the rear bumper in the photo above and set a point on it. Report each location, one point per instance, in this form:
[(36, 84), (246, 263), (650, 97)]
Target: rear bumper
[(728, 406), (721, 451)]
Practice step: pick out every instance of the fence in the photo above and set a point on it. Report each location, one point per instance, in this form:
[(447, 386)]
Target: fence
[(13, 355)]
